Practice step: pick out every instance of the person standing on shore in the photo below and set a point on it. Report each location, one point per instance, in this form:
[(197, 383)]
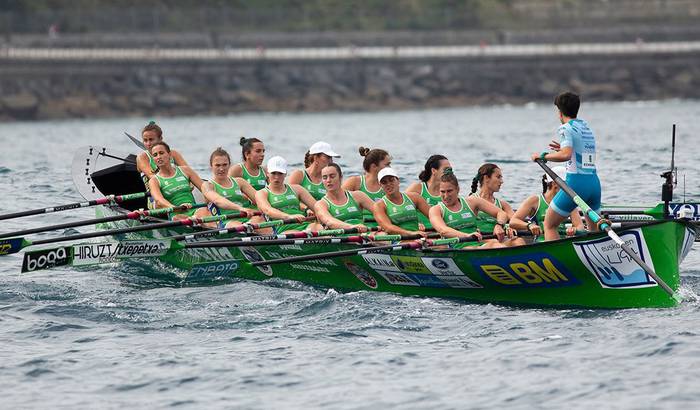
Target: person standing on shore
[(576, 147)]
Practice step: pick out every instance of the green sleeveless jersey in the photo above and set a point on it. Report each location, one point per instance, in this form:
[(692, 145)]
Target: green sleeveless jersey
[(373, 195), (258, 181), (177, 189), (463, 220), (403, 215), (233, 194), (538, 218), (288, 203), (316, 190), (484, 221), (431, 200), (349, 212)]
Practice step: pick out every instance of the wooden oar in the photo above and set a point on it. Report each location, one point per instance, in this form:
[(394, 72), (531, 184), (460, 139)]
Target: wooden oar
[(75, 205), (129, 215), (14, 245), (136, 141), (606, 227)]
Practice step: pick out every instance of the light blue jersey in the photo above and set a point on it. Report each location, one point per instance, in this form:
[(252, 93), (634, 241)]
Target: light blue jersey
[(579, 137)]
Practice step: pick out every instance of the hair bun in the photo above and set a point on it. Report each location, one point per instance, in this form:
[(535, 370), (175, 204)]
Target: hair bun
[(364, 151), (151, 122), (243, 140)]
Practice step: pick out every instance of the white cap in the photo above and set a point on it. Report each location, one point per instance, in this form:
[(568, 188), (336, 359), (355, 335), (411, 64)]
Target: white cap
[(277, 164), (385, 172), (323, 147), (560, 171)]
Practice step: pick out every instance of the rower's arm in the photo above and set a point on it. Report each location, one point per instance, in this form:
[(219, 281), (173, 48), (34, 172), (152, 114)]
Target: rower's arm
[(352, 183), (296, 177), (144, 166), (247, 189), (178, 158), (385, 223), (480, 204), (421, 205), (414, 187), (157, 196), (524, 212), (236, 171), (363, 200), (266, 208), (576, 220), (194, 177), (440, 226), (212, 196), (304, 196)]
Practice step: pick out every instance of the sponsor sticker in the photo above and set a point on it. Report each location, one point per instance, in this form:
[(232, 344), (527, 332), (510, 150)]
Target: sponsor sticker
[(378, 261), (212, 269), (428, 281), (690, 211), (8, 245), (105, 252), (529, 270), (447, 268), (361, 274), (410, 264), (688, 240), (252, 255), (44, 259), (397, 278), (611, 265)]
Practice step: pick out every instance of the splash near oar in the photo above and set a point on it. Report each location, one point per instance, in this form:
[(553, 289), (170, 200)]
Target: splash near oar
[(111, 199), (14, 245), (605, 226)]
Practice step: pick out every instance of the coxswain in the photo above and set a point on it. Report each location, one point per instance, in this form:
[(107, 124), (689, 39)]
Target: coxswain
[(397, 212), (374, 160), (251, 169), (316, 158), (279, 200), (429, 185), (340, 208), (576, 147), (170, 186)]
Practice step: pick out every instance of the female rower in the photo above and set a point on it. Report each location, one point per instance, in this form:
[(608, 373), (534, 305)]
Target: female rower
[(339, 208), (317, 157), (375, 160), (576, 147), (281, 201), (228, 195), (455, 217), (429, 187), (397, 212), (170, 186), (251, 169), (490, 178), (145, 163)]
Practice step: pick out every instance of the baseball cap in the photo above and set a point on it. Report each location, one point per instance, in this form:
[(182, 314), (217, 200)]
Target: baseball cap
[(388, 171), (323, 147), (277, 164), (560, 171)]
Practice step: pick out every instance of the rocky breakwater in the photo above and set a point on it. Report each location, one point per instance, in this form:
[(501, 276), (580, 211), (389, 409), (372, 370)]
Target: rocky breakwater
[(70, 88)]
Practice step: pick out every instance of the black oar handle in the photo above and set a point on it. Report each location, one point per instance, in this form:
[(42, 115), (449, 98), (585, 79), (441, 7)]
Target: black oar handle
[(75, 205), (65, 225)]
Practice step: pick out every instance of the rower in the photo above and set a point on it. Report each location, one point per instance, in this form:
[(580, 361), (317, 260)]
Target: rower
[(228, 195), (251, 169), (577, 147), (340, 208), (531, 213), (490, 178), (282, 201), (456, 217), (145, 163), (429, 187), (397, 212), (374, 160), (316, 158), (171, 185)]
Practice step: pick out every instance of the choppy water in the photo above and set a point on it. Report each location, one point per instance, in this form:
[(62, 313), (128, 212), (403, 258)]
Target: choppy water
[(114, 339)]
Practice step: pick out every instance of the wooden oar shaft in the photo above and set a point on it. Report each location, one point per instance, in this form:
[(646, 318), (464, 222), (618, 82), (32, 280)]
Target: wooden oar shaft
[(604, 226), (327, 255), (75, 205)]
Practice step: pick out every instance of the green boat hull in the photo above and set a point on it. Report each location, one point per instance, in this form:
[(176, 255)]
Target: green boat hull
[(590, 271)]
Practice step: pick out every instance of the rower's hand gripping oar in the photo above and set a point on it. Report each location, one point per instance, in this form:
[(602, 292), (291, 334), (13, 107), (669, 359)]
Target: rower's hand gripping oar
[(14, 245), (607, 228), (100, 201)]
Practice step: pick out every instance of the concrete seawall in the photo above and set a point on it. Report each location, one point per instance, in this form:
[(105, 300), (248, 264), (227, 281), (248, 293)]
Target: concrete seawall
[(63, 83)]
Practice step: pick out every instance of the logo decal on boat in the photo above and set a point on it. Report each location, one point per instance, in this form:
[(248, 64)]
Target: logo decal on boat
[(419, 271), (528, 270), (47, 258), (611, 265), (105, 252), (212, 270), (447, 271), (252, 255), (361, 274)]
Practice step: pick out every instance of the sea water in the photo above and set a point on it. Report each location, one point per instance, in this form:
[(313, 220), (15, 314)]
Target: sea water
[(122, 337)]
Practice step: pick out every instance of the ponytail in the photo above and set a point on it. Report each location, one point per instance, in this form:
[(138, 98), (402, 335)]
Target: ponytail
[(432, 163), (545, 185), (485, 170), (308, 159)]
